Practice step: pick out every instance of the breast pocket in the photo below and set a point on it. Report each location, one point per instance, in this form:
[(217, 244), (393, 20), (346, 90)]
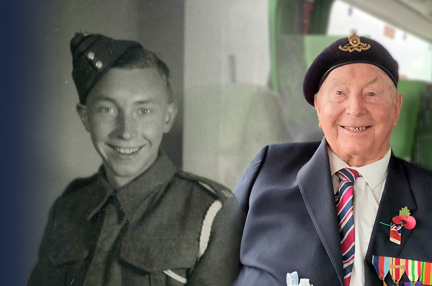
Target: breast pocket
[(73, 265), (158, 262)]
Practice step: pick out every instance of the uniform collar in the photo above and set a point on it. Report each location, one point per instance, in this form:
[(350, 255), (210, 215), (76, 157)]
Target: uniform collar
[(132, 195), (373, 173)]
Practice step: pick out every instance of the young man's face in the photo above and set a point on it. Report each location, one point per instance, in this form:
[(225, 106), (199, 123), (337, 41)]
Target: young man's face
[(127, 114)]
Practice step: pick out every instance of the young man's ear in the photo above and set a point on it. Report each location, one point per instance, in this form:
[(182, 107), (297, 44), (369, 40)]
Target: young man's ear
[(82, 112), (170, 116)]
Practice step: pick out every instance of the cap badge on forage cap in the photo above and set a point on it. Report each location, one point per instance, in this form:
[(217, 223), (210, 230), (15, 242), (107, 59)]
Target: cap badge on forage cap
[(354, 44), (93, 55)]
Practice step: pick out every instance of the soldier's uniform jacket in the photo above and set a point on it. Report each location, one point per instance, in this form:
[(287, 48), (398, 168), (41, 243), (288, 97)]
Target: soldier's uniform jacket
[(176, 229)]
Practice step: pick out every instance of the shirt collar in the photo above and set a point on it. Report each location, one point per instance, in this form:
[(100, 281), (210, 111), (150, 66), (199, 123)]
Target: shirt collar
[(374, 173), (132, 195)]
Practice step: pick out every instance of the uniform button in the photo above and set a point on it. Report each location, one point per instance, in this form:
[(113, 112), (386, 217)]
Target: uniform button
[(90, 56), (99, 64)]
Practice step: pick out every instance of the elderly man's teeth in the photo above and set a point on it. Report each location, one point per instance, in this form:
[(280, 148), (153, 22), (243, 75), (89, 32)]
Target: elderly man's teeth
[(355, 128), (126, 151)]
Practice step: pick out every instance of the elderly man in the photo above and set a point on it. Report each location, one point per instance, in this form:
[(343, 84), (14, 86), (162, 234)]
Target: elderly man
[(324, 209), (139, 220)]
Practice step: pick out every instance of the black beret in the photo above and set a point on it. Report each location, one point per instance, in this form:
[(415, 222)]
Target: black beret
[(92, 57), (345, 51)]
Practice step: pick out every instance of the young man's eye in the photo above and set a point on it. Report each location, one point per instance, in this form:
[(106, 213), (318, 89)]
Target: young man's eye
[(105, 109)]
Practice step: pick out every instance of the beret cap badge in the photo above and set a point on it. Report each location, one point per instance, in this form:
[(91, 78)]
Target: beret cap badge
[(354, 44)]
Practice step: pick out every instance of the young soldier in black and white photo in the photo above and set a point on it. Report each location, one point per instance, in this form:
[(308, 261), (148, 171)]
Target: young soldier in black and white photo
[(139, 220)]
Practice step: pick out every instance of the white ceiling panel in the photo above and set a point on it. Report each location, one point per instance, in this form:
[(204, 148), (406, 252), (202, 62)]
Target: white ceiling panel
[(413, 16)]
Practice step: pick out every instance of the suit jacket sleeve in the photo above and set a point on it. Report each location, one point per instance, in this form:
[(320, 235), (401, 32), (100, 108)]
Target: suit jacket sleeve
[(244, 186)]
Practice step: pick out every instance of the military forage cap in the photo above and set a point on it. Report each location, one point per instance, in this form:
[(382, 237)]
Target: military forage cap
[(93, 56), (345, 51)]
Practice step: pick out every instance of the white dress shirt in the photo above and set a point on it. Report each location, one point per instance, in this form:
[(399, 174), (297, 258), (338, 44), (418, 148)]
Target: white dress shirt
[(368, 190)]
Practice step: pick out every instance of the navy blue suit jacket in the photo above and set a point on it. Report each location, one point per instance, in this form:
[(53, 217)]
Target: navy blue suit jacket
[(291, 224)]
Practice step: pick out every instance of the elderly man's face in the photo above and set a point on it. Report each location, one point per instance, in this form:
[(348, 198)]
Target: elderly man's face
[(126, 114), (358, 107)]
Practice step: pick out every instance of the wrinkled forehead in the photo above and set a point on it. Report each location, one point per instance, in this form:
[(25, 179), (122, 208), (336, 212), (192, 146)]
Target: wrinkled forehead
[(358, 74), (345, 51)]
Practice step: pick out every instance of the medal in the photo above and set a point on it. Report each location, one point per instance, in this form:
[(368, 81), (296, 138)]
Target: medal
[(413, 270), (425, 276), (397, 269), (382, 266), (418, 272)]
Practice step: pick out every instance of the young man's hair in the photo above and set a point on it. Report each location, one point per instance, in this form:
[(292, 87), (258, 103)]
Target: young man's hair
[(138, 58)]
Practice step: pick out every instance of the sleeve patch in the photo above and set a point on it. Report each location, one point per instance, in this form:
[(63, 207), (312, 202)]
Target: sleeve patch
[(206, 227)]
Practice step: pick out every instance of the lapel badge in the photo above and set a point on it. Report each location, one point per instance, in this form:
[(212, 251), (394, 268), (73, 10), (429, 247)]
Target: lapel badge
[(395, 233), (354, 44), (404, 219)]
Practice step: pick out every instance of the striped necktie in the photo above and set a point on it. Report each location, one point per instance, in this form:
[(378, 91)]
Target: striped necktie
[(344, 208)]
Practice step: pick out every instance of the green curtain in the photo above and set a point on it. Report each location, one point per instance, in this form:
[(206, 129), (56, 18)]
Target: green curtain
[(285, 19), (282, 21), (319, 17), (402, 137), (422, 146)]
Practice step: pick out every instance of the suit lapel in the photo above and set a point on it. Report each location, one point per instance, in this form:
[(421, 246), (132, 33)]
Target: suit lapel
[(396, 195), (316, 187)]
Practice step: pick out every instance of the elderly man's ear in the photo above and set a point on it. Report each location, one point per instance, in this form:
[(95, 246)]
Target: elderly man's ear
[(170, 116), (317, 108), (82, 113), (398, 106)]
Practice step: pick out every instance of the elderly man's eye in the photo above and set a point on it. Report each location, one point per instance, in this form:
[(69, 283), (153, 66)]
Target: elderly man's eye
[(144, 111), (339, 92), (371, 93)]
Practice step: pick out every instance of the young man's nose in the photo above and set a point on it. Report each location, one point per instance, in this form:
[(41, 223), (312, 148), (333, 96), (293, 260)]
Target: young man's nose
[(126, 126)]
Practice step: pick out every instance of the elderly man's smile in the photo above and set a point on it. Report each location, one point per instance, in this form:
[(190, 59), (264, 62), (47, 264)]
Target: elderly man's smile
[(356, 128)]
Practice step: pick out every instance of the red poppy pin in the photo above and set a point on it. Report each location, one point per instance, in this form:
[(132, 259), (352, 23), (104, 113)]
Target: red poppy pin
[(405, 219)]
